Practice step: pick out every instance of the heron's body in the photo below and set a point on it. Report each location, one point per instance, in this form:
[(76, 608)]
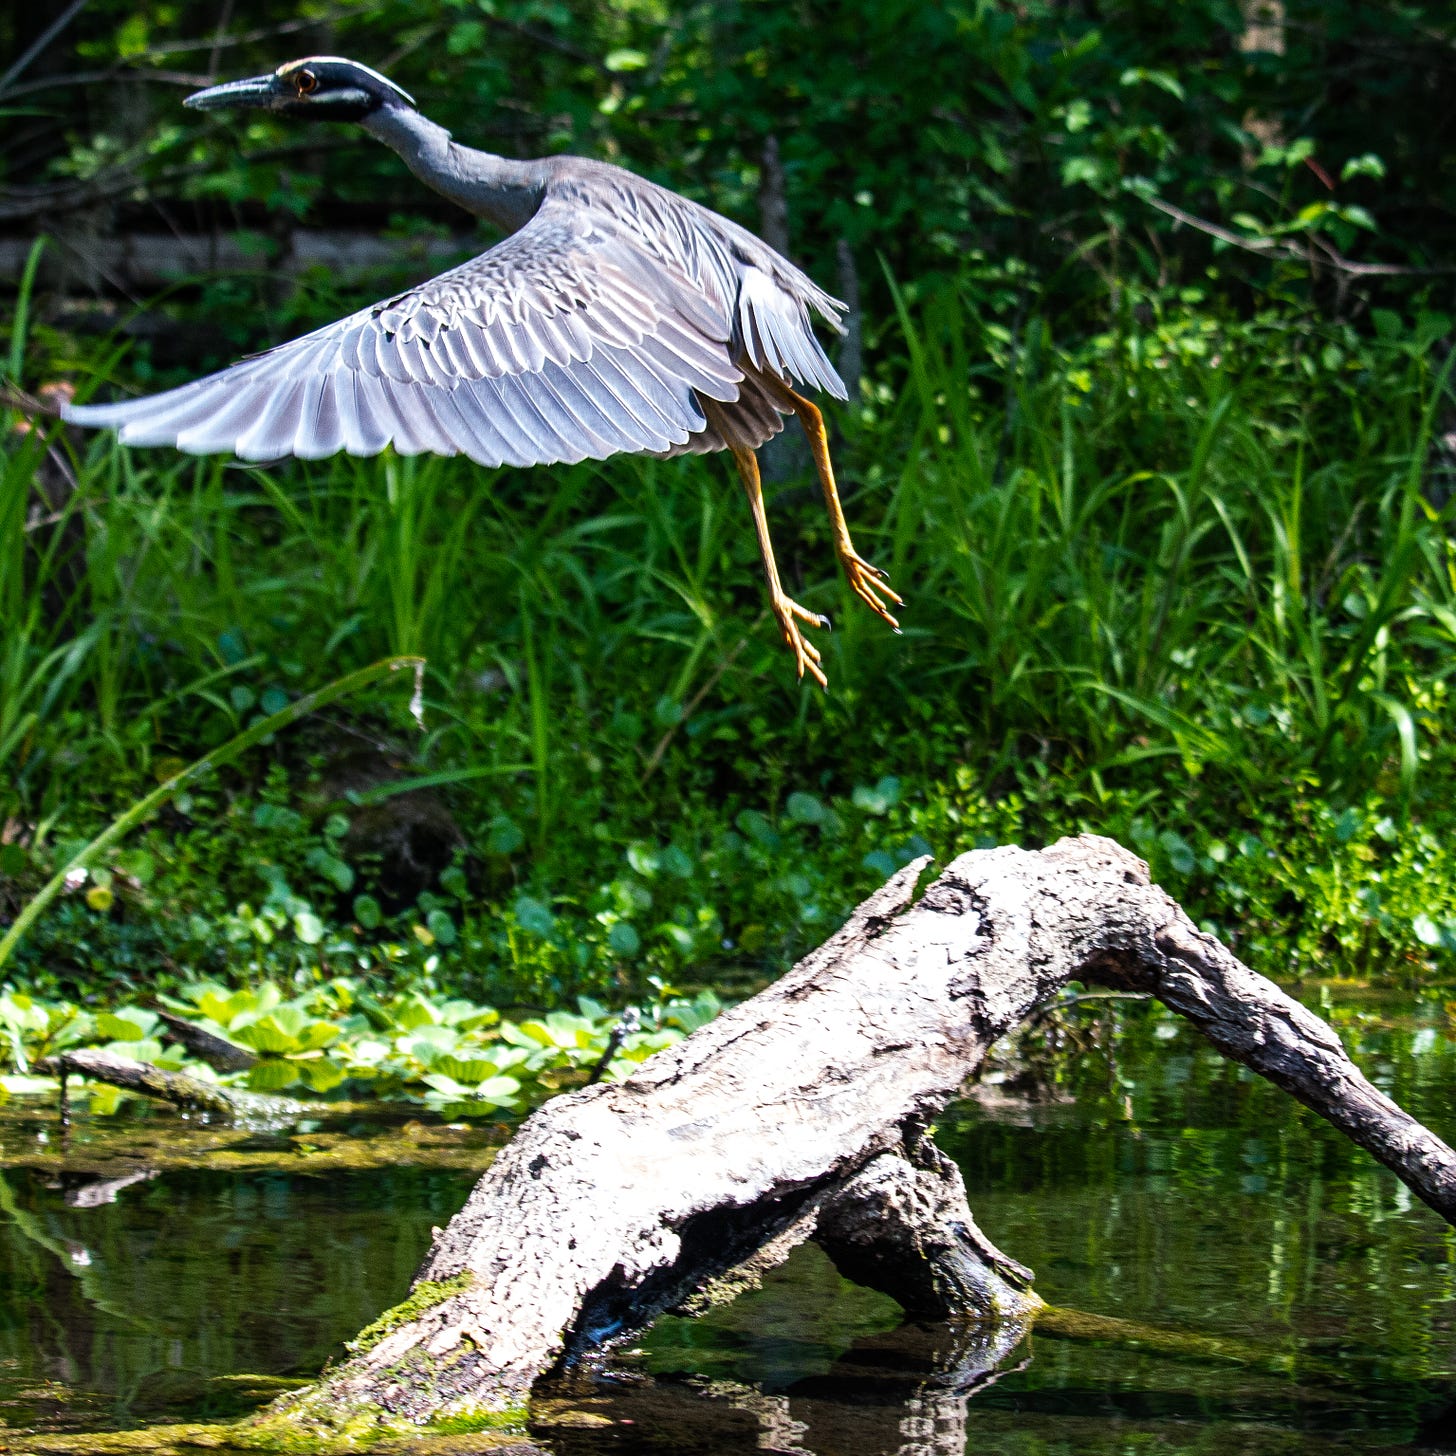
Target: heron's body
[(615, 317)]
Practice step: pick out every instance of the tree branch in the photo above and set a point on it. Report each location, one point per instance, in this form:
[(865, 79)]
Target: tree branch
[(41, 42), (181, 1091), (114, 73), (1279, 248), (802, 1114)]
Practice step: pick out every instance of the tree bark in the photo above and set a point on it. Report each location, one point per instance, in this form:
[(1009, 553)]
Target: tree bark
[(801, 1114)]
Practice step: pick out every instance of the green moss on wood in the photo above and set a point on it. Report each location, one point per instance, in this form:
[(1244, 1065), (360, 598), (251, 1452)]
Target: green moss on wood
[(424, 1296), (492, 1432), (473, 1422), (155, 1440), (300, 1430)]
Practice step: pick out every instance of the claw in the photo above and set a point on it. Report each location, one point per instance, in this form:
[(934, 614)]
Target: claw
[(869, 584), (804, 614), (806, 655)]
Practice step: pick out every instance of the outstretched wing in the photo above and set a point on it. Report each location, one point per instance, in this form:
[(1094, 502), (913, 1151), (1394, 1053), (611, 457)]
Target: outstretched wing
[(771, 302), (562, 343)]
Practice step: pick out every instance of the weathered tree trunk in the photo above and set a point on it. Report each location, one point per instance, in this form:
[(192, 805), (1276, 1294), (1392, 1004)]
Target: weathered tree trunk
[(801, 1114)]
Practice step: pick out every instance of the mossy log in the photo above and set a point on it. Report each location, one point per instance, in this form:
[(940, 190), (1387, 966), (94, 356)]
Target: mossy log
[(803, 1114), (188, 1094)]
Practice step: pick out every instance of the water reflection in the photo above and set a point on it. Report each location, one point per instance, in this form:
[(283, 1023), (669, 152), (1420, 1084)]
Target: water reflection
[(132, 1297), (901, 1392), (1277, 1291), (916, 1392)]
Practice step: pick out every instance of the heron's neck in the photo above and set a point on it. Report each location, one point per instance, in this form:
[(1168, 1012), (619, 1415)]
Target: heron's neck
[(505, 192)]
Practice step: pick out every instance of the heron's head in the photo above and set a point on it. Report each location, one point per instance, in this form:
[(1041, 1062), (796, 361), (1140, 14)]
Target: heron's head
[(317, 88)]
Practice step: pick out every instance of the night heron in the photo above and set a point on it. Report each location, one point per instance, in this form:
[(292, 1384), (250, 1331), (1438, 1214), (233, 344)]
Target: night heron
[(615, 317)]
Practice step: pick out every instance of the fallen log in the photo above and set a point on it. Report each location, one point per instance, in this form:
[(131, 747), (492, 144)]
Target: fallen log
[(188, 1094), (803, 1114), (218, 1052)]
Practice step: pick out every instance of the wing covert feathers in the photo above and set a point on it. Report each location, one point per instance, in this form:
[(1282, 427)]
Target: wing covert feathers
[(573, 339)]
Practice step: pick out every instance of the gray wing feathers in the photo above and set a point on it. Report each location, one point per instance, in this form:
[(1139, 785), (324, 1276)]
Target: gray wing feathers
[(768, 302), (755, 418), (567, 341), (777, 334)]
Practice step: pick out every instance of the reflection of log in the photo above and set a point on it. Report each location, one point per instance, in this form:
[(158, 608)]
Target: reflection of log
[(901, 1393), (101, 1191), (802, 1114), (908, 1392)]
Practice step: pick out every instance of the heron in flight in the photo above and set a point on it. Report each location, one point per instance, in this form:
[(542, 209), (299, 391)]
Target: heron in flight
[(615, 317)]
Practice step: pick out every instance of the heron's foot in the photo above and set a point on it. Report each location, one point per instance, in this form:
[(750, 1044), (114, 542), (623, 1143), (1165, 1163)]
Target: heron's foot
[(870, 584), (806, 655)]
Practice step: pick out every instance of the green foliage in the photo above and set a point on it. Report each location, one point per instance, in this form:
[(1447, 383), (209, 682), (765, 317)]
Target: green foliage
[(1353, 890), (1178, 530), (1190, 576), (262, 728), (1177, 550), (340, 1038), (1053, 139)]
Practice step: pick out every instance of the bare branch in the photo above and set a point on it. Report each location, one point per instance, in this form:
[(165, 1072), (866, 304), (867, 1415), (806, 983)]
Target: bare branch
[(41, 42), (215, 43), (189, 79), (182, 1091), (1279, 248)]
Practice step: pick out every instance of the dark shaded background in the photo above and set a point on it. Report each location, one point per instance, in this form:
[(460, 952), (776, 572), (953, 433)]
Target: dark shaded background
[(1045, 140)]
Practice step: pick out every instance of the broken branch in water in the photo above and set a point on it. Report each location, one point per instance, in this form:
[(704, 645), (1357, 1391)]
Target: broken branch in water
[(803, 1114)]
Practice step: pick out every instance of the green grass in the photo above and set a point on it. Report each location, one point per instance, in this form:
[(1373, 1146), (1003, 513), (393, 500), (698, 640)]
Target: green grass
[(1213, 535), (1189, 581)]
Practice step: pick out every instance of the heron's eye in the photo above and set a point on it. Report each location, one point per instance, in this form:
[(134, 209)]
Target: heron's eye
[(306, 82)]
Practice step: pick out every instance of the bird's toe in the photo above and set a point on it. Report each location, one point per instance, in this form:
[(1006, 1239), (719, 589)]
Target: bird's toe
[(806, 656)]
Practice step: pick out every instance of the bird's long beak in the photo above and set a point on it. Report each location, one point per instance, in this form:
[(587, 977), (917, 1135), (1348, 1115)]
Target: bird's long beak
[(255, 92)]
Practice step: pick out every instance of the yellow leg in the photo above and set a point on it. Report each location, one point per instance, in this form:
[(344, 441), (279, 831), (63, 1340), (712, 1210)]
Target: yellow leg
[(867, 582), (785, 609)]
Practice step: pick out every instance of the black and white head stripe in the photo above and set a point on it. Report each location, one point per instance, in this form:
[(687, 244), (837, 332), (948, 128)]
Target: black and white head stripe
[(285, 72)]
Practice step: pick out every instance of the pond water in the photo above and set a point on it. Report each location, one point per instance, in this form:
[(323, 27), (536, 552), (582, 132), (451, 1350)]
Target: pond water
[(1277, 1291)]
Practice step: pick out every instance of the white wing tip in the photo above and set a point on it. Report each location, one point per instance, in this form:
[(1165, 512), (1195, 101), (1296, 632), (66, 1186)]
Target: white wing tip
[(91, 416), (137, 434)]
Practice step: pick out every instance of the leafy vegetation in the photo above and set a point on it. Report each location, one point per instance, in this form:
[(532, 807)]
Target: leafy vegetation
[(1183, 586), (455, 1057), (1172, 511), (1051, 134)]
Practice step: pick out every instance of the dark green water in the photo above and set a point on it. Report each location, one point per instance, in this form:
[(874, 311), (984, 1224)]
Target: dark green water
[(1156, 1185)]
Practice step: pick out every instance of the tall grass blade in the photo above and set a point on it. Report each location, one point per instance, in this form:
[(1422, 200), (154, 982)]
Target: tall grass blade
[(21, 326), (224, 754)]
